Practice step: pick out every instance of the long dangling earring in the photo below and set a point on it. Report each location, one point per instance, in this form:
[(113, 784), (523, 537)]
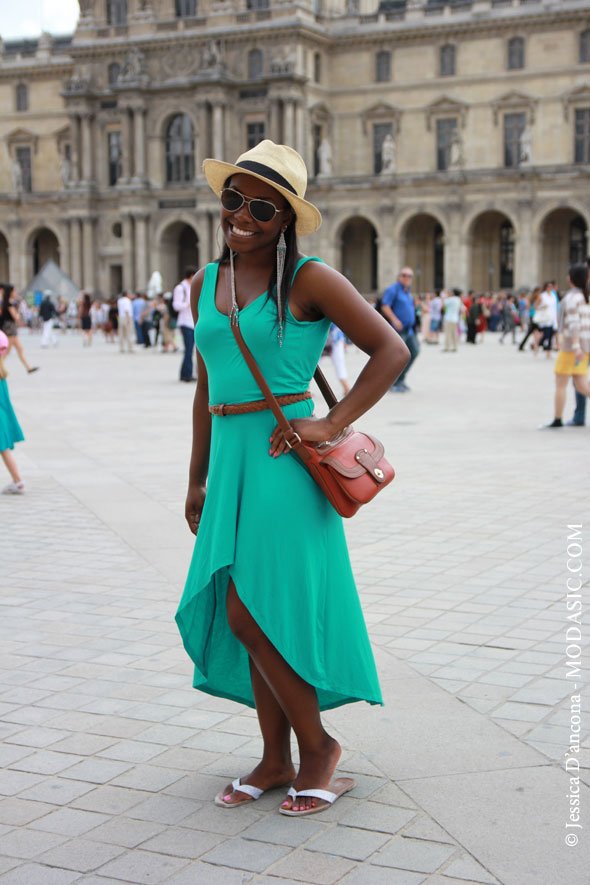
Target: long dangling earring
[(281, 254)]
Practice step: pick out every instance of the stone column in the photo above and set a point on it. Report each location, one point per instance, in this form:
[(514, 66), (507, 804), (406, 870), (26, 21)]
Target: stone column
[(127, 243), (388, 257), (89, 254), (525, 248), (218, 134), (300, 140), (141, 250), (139, 143), (65, 252), (274, 120), (76, 172), (76, 251), (87, 164), (289, 122), (126, 146)]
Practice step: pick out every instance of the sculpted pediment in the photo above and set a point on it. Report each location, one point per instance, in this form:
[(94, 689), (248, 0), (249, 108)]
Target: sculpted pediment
[(382, 112), (516, 101), (581, 95), (22, 136), (446, 106)]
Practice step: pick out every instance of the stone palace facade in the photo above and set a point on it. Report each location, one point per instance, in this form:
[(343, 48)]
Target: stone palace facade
[(452, 136)]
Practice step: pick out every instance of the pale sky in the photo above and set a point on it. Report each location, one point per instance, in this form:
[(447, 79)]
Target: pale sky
[(27, 18)]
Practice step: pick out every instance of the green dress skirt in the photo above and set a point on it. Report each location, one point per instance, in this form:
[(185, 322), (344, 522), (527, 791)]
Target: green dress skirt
[(268, 526), (10, 432)]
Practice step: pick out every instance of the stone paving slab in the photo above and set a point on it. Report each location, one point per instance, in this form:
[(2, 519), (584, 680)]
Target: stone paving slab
[(109, 761)]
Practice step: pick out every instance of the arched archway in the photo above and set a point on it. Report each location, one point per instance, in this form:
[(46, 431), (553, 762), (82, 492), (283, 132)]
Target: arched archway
[(44, 247), (563, 242), (492, 252), (359, 254), (423, 251), (179, 247), (4, 261)]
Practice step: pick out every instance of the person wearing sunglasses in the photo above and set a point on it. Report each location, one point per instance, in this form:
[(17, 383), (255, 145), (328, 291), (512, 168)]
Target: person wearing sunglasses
[(270, 613)]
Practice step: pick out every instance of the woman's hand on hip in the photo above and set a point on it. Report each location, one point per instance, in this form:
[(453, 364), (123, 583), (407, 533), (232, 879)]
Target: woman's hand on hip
[(193, 507), (309, 429)]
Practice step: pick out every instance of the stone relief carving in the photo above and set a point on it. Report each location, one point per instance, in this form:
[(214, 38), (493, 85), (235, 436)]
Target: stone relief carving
[(525, 150), (388, 150), (325, 157), (282, 62), (179, 62), (134, 68)]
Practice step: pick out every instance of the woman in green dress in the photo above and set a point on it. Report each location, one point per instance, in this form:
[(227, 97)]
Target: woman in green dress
[(270, 613)]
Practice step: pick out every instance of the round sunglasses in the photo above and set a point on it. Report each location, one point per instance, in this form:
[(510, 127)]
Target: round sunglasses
[(260, 210)]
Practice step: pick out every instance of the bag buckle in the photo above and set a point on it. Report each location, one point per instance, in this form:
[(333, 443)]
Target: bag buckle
[(296, 440)]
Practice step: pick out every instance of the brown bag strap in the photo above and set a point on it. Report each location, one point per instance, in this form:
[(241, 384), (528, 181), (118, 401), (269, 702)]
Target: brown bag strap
[(291, 436)]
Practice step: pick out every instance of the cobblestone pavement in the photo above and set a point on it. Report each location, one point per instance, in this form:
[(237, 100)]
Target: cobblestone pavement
[(110, 760)]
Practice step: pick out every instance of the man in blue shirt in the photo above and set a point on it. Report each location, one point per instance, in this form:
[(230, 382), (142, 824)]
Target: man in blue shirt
[(398, 309)]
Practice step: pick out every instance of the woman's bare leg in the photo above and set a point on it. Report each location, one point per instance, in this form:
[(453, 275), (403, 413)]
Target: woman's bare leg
[(581, 384), (10, 462), (319, 753), (19, 349), (561, 382), (276, 767)]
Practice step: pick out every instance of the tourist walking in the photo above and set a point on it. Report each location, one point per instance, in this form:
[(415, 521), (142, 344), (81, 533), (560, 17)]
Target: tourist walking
[(336, 346), (436, 307), (509, 313), (125, 317), (47, 314), (84, 306), (532, 326), (574, 329), (270, 622), (168, 325), (9, 320), (398, 309), (10, 431), (452, 313), (545, 319), (138, 306), (181, 302)]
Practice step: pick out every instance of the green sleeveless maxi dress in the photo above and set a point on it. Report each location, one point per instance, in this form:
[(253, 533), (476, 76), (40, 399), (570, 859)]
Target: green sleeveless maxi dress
[(267, 525)]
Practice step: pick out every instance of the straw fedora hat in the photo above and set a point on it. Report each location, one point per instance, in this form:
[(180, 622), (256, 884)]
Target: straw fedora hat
[(277, 165)]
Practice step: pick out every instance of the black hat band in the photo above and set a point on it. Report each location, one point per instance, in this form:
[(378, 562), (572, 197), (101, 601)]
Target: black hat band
[(267, 172)]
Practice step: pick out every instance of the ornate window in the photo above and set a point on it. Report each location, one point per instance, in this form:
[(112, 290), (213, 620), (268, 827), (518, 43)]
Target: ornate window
[(380, 131), (578, 241), (448, 55), (254, 133), (516, 54), (514, 126), (22, 97), (383, 66), (23, 158), (117, 12), (582, 136), (180, 151), (585, 46), (114, 70), (506, 255), (258, 4), (445, 131), (186, 8), (255, 64), (115, 145)]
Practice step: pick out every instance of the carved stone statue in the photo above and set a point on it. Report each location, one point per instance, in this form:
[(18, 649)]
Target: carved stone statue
[(134, 66), (17, 177), (155, 287), (212, 54), (282, 61), (86, 7), (65, 171), (325, 157), (456, 158), (388, 155), (525, 147)]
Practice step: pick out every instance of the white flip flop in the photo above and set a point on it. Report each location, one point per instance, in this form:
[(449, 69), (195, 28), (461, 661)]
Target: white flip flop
[(253, 792), (339, 787)]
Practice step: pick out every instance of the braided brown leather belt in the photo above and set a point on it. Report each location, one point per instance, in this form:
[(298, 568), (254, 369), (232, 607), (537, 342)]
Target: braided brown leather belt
[(257, 405)]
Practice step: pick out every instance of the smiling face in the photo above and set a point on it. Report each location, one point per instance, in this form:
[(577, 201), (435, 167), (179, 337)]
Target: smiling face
[(242, 232)]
